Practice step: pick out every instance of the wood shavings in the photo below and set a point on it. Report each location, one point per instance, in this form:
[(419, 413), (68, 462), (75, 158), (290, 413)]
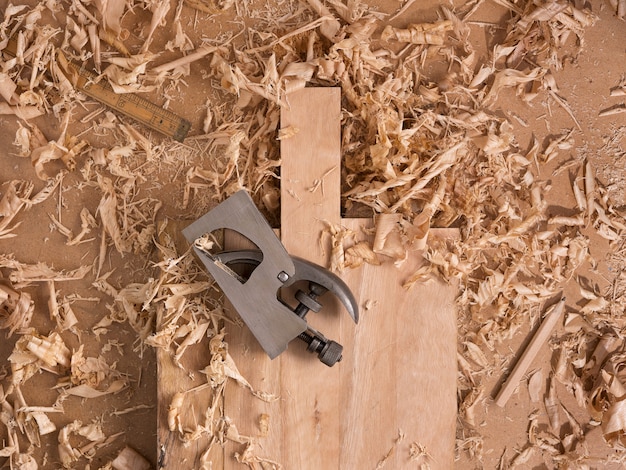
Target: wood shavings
[(18, 197), (251, 459), (329, 26), (468, 406), (552, 405), (319, 183), (50, 350), (421, 150), (135, 231), (7, 89), (93, 438), (287, 132), (13, 200), (34, 352), (522, 457), (510, 78), (620, 88), (426, 33), (613, 110), (134, 300), (178, 64), (125, 74), (614, 420), (86, 391), (358, 254), (158, 10), (93, 376), (65, 149), (381, 463), (222, 367), (419, 454), (562, 142), (23, 112), (62, 314), (173, 412), (421, 275), (112, 12), (130, 459), (388, 240), (620, 8), (44, 424), (40, 272), (337, 235), (16, 309), (210, 6), (535, 385)]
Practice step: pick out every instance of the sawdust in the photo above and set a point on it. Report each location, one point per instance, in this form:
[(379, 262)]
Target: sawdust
[(420, 150)]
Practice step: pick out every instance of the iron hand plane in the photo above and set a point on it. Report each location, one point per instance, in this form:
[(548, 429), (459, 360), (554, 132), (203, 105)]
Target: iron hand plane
[(254, 280)]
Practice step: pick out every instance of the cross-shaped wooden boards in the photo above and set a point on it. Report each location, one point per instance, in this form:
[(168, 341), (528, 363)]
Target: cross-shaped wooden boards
[(391, 401)]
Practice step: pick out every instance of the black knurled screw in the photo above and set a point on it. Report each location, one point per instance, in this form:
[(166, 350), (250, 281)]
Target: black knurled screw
[(328, 351)]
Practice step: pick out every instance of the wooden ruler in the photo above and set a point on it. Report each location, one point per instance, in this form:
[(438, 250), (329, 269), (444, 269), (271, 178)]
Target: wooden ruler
[(128, 104)]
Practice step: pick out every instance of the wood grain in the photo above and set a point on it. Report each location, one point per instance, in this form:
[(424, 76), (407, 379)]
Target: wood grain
[(395, 389)]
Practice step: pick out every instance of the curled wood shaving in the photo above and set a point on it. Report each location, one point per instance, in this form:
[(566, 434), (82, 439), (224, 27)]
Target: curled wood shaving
[(16, 310), (552, 405), (50, 350), (27, 273), (535, 385), (92, 438), (360, 253), (130, 459), (210, 6), (33, 353), (337, 235), (222, 367), (382, 462), (426, 33), (388, 239), (419, 454), (620, 8), (614, 420), (250, 458), (62, 314), (93, 377), (14, 199)]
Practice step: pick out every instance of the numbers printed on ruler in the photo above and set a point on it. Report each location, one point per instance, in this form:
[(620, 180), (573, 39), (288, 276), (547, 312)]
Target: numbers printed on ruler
[(131, 105)]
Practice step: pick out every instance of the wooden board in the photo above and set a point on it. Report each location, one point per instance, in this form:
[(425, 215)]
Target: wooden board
[(395, 389), (172, 452)]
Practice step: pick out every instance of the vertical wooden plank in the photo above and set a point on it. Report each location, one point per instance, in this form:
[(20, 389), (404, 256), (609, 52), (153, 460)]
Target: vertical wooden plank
[(303, 422), (310, 170), (396, 387), (240, 406), (403, 375), (426, 362), (310, 199)]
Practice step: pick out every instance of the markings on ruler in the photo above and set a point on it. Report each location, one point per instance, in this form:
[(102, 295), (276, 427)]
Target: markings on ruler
[(128, 104)]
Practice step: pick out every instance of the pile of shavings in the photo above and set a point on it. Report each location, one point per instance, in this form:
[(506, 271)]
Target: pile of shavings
[(420, 150)]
